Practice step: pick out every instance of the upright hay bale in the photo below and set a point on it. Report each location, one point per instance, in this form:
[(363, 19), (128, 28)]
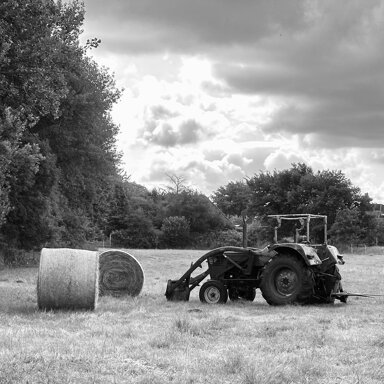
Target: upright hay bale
[(68, 279), (120, 274)]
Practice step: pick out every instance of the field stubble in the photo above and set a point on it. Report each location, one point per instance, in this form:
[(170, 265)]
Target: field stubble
[(149, 340)]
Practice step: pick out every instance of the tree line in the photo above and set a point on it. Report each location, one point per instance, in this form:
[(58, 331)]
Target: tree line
[(61, 182)]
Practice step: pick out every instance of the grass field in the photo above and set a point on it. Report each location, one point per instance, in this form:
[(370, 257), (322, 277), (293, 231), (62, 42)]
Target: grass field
[(150, 341)]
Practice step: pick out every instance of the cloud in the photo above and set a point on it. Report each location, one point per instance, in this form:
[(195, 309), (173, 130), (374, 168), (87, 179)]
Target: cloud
[(146, 26), (167, 135), (320, 62), (282, 159), (159, 112), (327, 79), (204, 169), (378, 156), (210, 81), (181, 113)]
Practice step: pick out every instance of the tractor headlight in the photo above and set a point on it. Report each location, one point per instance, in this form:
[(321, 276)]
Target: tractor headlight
[(335, 254)]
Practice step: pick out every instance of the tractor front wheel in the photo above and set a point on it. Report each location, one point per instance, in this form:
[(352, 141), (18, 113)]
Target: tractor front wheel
[(213, 292), (286, 280)]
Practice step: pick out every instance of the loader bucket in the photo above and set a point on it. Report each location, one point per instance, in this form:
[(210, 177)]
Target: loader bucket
[(176, 291)]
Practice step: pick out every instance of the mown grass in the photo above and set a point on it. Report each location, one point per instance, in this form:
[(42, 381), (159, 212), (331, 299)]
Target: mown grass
[(148, 340)]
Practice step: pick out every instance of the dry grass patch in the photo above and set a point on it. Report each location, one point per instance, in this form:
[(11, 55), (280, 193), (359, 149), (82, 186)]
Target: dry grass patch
[(149, 340)]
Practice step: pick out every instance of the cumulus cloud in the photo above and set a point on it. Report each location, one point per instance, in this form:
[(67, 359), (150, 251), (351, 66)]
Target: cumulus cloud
[(167, 135), (205, 170), (159, 112), (167, 128), (282, 159)]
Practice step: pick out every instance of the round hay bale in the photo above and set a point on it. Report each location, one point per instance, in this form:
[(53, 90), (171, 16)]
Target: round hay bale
[(68, 279), (120, 274)]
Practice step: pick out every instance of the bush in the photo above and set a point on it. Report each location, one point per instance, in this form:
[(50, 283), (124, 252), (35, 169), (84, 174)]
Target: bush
[(218, 239), (134, 230), (259, 235), (175, 232), (10, 256), (126, 238), (346, 229)]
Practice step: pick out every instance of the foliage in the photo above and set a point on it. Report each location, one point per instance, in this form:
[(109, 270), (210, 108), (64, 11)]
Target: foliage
[(128, 221), (234, 198), (136, 235), (300, 190), (175, 232), (349, 227), (35, 38), (219, 238), (17, 159), (346, 228), (297, 190), (172, 219), (259, 235), (57, 139), (201, 214), (230, 237), (378, 232)]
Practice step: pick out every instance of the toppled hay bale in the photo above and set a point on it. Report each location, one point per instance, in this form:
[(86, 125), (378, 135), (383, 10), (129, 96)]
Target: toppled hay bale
[(120, 274), (68, 279)]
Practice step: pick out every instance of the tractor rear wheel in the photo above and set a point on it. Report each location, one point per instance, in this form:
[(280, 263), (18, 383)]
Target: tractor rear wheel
[(286, 280), (213, 292)]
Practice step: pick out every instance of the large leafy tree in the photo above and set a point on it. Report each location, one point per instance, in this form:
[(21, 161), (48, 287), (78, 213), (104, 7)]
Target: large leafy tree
[(83, 140), (296, 190), (301, 190), (29, 88), (234, 198), (36, 37), (57, 138)]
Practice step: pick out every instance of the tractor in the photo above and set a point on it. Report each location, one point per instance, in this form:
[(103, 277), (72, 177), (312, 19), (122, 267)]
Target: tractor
[(286, 272)]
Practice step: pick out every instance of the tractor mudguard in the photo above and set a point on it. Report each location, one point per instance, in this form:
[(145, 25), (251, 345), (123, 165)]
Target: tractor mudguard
[(307, 253)]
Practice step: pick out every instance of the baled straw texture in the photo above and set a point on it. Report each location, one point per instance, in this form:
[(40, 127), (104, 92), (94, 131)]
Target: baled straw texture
[(120, 274), (68, 279)]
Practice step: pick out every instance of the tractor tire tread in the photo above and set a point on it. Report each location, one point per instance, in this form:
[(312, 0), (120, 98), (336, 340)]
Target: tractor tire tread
[(306, 289)]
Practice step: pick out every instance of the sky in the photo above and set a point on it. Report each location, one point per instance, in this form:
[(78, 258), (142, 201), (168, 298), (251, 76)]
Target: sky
[(220, 90)]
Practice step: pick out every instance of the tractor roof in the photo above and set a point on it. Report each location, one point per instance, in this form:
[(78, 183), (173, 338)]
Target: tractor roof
[(297, 216)]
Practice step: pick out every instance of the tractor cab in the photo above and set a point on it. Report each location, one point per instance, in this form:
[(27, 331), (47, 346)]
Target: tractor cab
[(309, 238)]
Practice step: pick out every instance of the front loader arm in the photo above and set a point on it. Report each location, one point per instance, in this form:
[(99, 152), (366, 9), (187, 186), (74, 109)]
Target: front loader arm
[(181, 288)]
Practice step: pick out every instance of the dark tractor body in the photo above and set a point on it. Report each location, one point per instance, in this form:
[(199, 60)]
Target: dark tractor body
[(286, 273)]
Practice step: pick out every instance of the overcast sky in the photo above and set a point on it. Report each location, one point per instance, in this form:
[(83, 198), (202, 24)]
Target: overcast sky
[(218, 90)]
